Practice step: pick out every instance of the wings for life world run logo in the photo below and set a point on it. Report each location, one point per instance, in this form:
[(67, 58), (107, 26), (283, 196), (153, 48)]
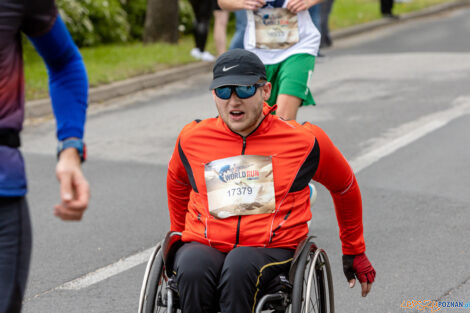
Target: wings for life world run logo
[(231, 172)]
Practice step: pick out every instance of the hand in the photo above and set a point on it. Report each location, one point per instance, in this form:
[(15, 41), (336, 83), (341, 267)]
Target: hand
[(253, 4), (74, 188), (295, 6), (359, 266)]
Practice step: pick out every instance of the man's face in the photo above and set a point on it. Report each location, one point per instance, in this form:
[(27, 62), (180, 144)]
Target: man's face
[(243, 115)]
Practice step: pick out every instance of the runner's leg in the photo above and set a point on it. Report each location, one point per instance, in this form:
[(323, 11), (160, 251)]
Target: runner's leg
[(240, 25), (197, 269), (287, 106), (202, 12), (290, 80), (220, 30), (15, 252)]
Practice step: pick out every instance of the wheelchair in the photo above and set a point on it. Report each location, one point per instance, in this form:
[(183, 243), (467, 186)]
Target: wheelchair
[(307, 287)]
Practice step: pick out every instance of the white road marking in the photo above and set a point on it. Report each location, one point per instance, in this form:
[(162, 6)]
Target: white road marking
[(107, 271), (409, 132), (386, 145)]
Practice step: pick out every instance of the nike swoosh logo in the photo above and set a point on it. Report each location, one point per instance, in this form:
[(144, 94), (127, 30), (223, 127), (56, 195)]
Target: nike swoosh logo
[(225, 69)]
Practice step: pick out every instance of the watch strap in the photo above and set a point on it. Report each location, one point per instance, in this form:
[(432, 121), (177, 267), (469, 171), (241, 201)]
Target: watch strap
[(73, 143)]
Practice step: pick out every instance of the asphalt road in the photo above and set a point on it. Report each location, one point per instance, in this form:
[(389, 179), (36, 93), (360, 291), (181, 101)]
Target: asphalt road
[(396, 102)]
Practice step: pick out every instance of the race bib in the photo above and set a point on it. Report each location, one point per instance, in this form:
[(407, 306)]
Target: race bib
[(240, 185), (275, 28)]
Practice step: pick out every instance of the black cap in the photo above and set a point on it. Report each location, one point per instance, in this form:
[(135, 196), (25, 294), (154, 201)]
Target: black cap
[(237, 67)]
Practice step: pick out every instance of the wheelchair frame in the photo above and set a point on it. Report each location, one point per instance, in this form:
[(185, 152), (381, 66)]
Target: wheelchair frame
[(309, 276)]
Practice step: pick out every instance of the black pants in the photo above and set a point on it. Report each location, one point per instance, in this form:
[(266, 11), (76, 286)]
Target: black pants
[(386, 6), (209, 280), (15, 252), (202, 12)]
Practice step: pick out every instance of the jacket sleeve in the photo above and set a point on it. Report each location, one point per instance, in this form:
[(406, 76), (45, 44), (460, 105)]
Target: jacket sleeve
[(178, 190), (68, 82), (337, 176)]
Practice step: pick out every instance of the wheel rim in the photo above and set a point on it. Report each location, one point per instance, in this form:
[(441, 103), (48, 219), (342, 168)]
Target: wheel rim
[(146, 278), (312, 282), (161, 297), (311, 297), (316, 284)]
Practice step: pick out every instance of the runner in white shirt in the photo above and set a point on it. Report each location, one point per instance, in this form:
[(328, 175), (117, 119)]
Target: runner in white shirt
[(282, 34)]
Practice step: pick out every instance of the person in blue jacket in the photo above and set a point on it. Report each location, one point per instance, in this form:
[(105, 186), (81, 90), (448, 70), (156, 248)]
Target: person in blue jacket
[(68, 86)]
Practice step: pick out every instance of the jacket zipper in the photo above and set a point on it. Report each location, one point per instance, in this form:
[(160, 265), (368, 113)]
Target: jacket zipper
[(205, 224), (237, 239), (279, 226), (238, 231)]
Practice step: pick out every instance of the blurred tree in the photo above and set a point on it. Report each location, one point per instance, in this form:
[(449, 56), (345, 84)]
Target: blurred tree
[(161, 21), (135, 10)]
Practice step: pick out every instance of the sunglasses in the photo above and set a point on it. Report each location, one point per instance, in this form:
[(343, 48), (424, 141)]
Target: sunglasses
[(243, 92)]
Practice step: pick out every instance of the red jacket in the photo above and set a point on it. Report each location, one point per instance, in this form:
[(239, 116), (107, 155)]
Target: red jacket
[(299, 153)]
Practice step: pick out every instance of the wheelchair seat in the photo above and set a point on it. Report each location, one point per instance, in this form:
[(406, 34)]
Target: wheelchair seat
[(307, 287)]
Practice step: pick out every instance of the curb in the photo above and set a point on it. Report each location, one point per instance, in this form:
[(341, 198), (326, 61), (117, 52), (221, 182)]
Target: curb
[(42, 107)]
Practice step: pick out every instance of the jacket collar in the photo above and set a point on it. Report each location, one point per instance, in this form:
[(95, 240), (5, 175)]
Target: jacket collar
[(268, 109)]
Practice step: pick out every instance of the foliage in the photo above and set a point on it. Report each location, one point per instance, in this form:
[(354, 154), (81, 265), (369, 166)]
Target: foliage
[(77, 18), (91, 22), (135, 16), (109, 20)]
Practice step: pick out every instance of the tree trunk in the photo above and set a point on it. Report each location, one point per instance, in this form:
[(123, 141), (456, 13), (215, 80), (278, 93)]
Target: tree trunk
[(161, 21)]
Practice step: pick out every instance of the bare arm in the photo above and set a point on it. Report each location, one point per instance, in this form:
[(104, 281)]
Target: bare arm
[(235, 5), (295, 6)]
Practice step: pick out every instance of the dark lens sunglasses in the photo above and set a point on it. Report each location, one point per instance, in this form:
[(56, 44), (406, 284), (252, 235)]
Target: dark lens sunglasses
[(243, 92)]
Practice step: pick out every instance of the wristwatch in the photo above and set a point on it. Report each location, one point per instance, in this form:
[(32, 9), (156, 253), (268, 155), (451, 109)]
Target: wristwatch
[(73, 143)]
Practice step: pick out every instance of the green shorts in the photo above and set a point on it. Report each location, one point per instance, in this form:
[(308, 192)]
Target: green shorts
[(291, 77)]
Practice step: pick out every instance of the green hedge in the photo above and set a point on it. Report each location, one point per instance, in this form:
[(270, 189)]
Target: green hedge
[(94, 22)]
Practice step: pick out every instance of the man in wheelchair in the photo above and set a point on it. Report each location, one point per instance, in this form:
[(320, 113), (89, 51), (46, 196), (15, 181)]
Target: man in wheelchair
[(238, 192)]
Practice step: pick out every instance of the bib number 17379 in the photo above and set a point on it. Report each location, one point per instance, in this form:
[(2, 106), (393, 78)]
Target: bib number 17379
[(239, 191)]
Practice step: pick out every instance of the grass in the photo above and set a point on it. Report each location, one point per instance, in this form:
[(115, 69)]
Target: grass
[(108, 63), (347, 13)]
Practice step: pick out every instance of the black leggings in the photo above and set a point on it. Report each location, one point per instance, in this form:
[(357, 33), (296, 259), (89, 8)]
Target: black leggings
[(209, 280), (15, 252), (202, 11), (386, 6)]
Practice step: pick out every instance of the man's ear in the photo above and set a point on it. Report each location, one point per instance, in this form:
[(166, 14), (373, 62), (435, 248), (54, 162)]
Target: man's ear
[(267, 91)]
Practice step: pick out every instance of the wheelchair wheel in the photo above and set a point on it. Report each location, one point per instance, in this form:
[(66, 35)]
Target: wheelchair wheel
[(312, 290), (153, 295)]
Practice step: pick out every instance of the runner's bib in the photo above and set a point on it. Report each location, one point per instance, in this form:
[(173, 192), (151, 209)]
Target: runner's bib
[(240, 185), (275, 28)]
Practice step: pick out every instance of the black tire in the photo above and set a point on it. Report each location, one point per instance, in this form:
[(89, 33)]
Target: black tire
[(153, 294), (314, 267)]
